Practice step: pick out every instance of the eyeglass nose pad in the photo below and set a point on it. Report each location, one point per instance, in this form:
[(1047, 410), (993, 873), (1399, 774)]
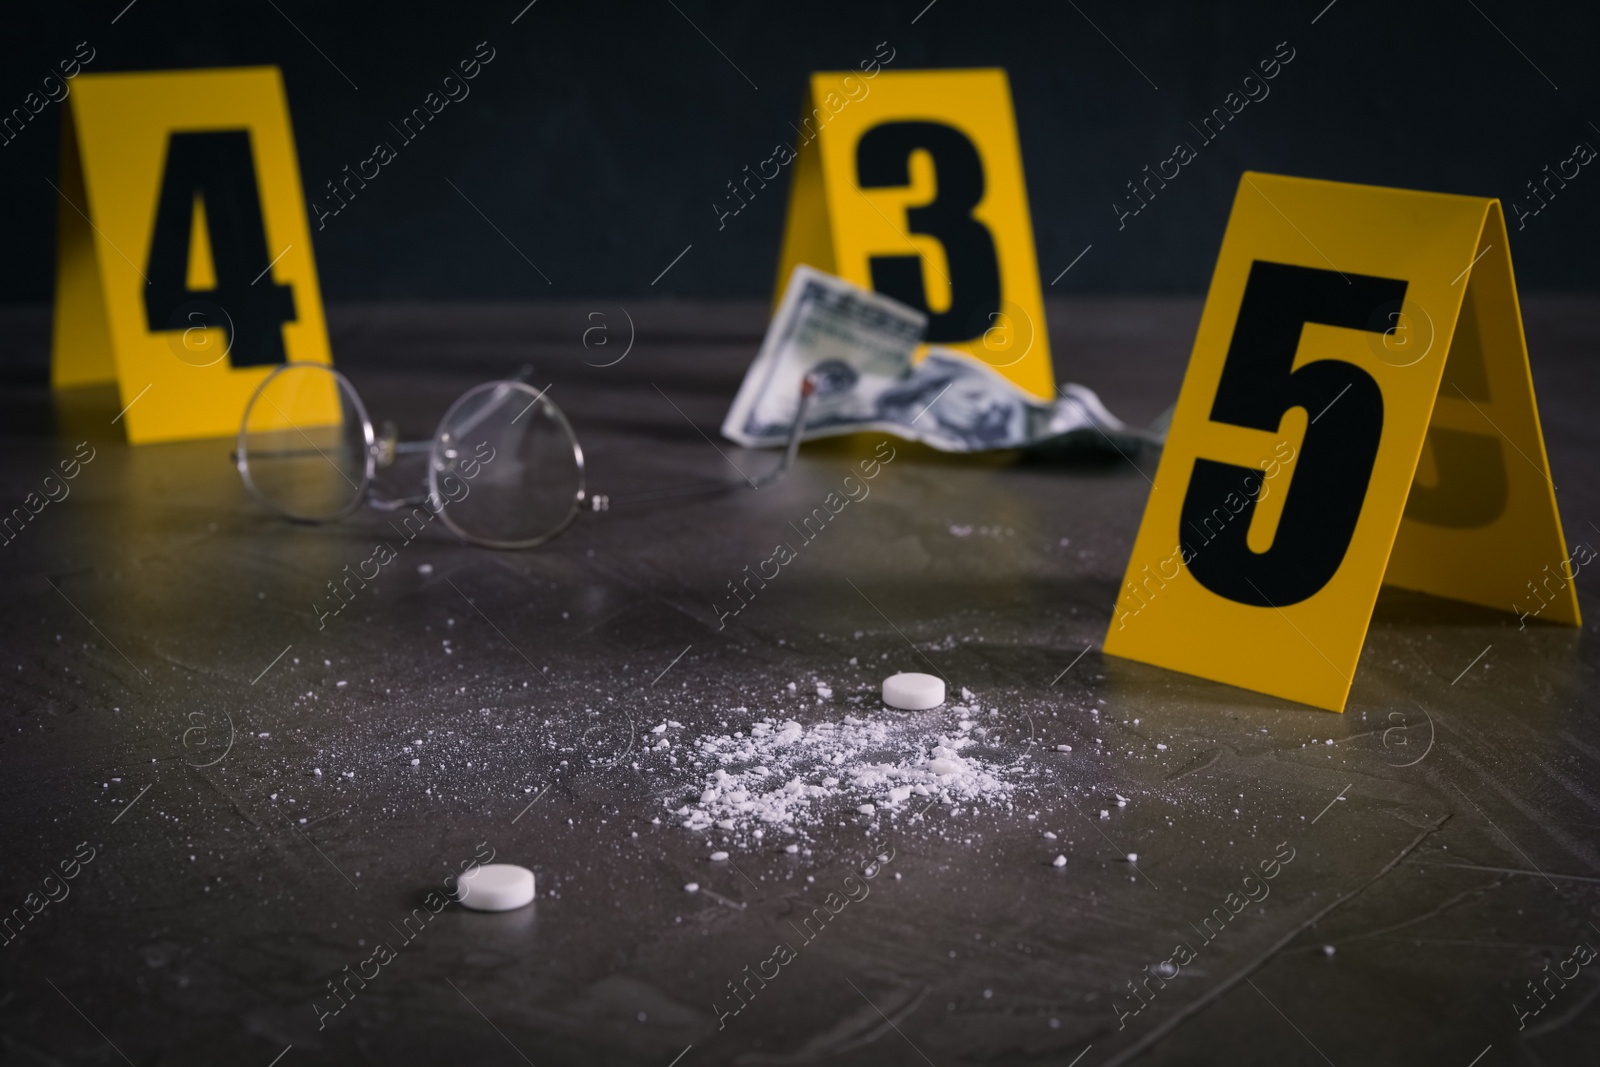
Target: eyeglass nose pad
[(384, 447)]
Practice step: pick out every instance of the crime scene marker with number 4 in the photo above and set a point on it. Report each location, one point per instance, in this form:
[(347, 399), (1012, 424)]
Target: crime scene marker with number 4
[(184, 269)]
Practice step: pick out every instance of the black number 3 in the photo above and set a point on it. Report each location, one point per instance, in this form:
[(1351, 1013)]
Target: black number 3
[(216, 167), (883, 160), (1345, 408)]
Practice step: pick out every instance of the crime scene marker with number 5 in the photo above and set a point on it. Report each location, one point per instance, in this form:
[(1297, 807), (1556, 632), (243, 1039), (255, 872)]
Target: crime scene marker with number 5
[(1358, 409)]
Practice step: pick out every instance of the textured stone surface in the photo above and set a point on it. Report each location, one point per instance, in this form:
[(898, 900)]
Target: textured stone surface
[(257, 824)]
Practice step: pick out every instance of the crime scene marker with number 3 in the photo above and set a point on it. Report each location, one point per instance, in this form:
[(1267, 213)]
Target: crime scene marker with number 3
[(910, 185)]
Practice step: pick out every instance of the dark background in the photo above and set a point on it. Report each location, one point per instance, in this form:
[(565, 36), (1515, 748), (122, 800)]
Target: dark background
[(603, 132)]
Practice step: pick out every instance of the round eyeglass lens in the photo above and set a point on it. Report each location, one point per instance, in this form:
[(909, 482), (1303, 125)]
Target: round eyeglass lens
[(305, 446), (505, 470)]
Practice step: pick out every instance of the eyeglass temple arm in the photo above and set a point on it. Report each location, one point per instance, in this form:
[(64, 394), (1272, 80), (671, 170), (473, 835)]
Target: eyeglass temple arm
[(808, 388)]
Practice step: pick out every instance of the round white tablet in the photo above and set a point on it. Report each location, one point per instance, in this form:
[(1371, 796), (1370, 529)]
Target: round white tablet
[(913, 692), (496, 887)]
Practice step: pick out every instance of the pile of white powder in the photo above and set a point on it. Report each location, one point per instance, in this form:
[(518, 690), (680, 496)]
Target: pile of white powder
[(784, 776)]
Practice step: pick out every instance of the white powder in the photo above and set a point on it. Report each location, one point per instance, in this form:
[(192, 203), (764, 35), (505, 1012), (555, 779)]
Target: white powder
[(789, 777)]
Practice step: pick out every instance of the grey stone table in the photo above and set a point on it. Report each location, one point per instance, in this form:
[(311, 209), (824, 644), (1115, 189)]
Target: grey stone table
[(233, 790)]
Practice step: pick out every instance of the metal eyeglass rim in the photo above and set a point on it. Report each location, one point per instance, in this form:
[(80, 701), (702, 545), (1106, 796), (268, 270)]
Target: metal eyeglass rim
[(381, 452)]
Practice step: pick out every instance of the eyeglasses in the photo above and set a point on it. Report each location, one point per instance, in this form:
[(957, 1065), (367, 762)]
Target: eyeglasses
[(504, 467)]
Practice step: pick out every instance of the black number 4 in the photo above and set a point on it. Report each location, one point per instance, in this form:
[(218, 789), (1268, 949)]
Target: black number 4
[(1345, 409), (883, 159), (216, 168)]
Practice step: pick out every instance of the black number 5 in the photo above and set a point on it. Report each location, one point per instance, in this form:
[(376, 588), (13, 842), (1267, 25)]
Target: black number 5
[(883, 160), (1345, 409)]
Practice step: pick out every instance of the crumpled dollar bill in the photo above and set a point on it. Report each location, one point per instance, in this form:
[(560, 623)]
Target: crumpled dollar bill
[(857, 346)]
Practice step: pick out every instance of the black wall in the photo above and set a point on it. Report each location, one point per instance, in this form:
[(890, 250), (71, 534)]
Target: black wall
[(602, 133)]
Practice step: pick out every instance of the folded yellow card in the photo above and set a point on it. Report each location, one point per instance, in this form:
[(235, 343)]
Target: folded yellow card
[(184, 269), (1358, 409), (910, 183)]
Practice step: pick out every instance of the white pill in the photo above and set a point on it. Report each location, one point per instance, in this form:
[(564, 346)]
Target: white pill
[(913, 692), (496, 887)]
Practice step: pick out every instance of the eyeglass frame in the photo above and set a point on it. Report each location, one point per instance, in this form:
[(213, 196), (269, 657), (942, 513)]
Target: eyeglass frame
[(382, 453)]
